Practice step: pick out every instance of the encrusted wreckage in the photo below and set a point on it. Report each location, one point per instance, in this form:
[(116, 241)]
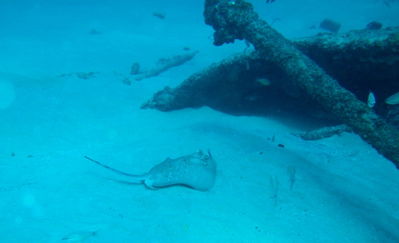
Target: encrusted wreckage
[(327, 76), (162, 65)]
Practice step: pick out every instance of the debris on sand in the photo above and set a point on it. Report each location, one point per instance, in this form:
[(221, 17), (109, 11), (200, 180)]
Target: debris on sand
[(164, 64)]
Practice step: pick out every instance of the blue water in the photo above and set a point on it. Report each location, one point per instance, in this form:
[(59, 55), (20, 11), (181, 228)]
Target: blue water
[(344, 191)]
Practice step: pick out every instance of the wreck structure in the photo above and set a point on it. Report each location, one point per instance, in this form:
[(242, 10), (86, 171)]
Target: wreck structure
[(327, 76)]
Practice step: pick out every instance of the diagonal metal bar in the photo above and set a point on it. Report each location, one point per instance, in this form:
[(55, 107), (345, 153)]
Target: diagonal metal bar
[(233, 20)]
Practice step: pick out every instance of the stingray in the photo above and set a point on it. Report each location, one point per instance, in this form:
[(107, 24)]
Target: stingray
[(196, 170)]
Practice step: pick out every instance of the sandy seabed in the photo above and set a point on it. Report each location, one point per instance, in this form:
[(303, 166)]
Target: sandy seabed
[(344, 191)]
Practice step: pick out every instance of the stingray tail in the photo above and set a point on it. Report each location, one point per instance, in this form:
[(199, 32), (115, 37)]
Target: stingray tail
[(209, 152), (139, 178)]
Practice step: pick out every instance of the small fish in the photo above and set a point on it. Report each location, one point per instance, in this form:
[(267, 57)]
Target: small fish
[(94, 32), (264, 81), (393, 99), (330, 25), (79, 236), (274, 20), (159, 15), (371, 100)]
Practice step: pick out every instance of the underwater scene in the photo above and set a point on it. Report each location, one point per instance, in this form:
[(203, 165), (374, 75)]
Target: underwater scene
[(199, 121)]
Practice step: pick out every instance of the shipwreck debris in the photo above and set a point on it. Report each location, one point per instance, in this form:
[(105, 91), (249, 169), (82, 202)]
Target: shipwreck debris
[(245, 82), (324, 132), (239, 21), (81, 75), (164, 64)]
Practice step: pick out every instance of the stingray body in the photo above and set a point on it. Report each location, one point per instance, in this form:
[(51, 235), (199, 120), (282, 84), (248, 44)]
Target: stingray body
[(196, 170)]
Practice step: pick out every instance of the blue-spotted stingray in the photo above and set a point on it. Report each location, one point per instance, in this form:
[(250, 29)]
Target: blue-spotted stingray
[(196, 170)]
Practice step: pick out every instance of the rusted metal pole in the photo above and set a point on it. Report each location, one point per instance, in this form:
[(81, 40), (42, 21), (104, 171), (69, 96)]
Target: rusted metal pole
[(233, 20)]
